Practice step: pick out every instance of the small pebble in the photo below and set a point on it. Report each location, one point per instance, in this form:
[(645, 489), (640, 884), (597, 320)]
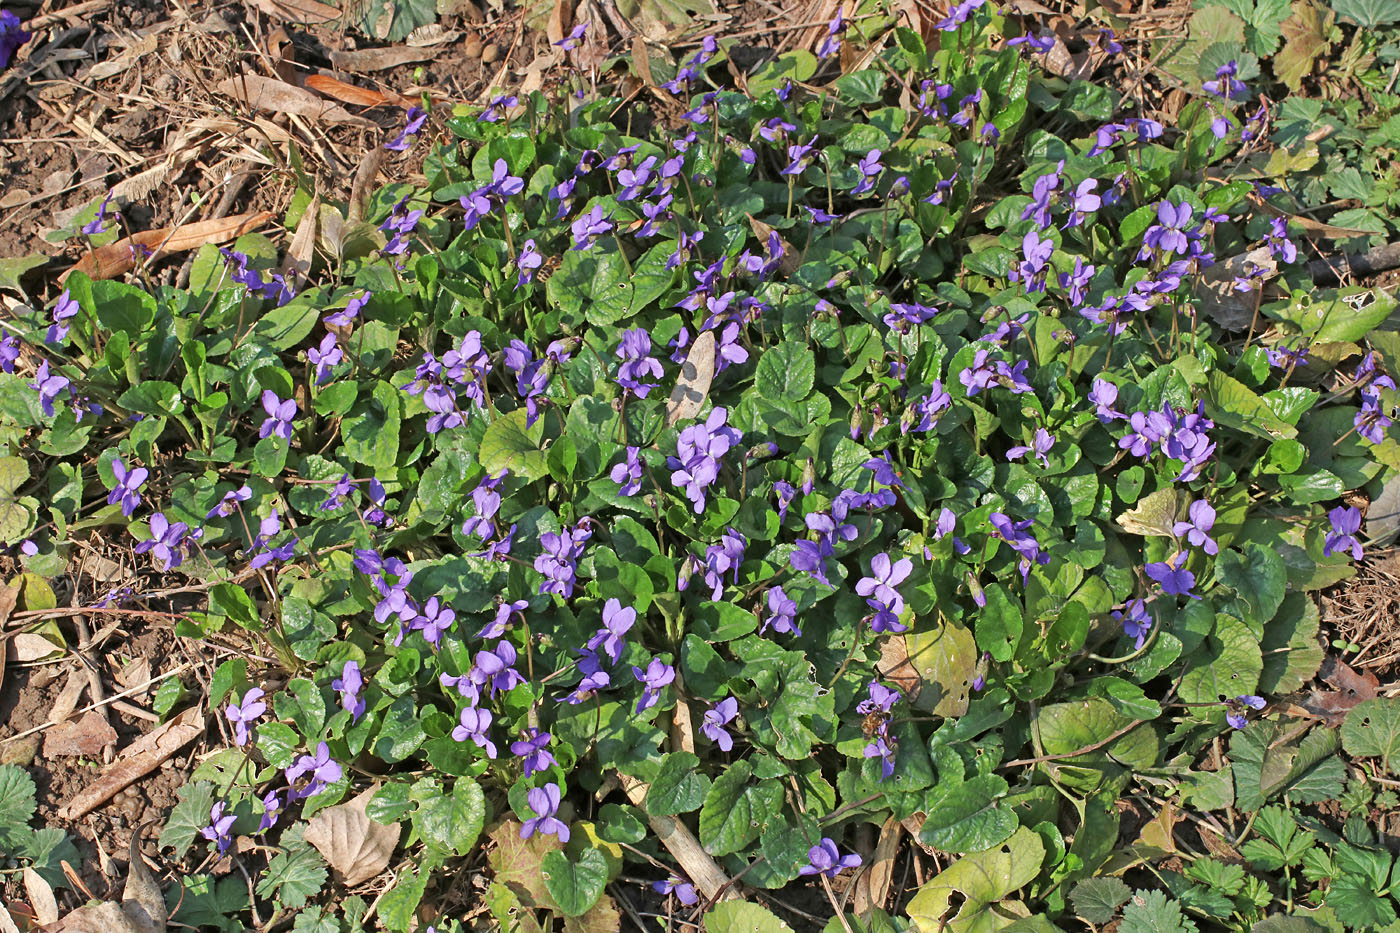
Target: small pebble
[(471, 46), (491, 54)]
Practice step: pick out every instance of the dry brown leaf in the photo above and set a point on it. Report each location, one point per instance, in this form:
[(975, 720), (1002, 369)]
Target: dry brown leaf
[(87, 735), (896, 667), (142, 900), (697, 372), (354, 845), (640, 62), (40, 897), (134, 673), (142, 908), (789, 262), (120, 257), (1348, 689), (432, 34), (1215, 290), (309, 12), (349, 93), (102, 917), (29, 646), (559, 23), (129, 57), (882, 865), (297, 262), (379, 59), (276, 96), (136, 761), (71, 695), (7, 922)]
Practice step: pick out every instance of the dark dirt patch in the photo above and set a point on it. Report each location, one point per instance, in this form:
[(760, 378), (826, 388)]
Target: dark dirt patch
[(27, 700)]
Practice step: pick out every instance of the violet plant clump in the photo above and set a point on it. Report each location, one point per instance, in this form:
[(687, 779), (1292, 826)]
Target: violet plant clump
[(821, 461)]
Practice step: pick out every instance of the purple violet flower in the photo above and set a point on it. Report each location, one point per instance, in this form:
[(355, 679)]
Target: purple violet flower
[(243, 714), (472, 724), (1172, 577), (1197, 529), (675, 884), (1136, 622), (656, 677), (127, 490), (533, 750), (415, 117), (220, 828), (588, 227), (617, 622), (1235, 709), (544, 801), (824, 858), (716, 718), (66, 309), (348, 685), (324, 770), (1346, 522), (48, 385), (628, 473), (279, 415), (782, 613), (1040, 446), (879, 587), (635, 351)]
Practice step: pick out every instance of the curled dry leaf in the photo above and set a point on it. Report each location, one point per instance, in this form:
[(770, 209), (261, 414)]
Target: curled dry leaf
[(142, 900), (352, 94), (136, 761), (142, 908), (698, 371), (354, 845), (275, 96), (873, 888), (120, 257), (296, 264)]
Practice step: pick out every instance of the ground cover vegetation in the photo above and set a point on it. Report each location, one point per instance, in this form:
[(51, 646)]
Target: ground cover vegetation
[(944, 450)]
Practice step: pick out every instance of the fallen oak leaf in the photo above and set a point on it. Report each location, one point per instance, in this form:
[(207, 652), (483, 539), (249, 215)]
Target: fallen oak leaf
[(120, 257)]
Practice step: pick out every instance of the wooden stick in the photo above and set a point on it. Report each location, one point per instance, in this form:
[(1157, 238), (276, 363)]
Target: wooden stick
[(681, 843)]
